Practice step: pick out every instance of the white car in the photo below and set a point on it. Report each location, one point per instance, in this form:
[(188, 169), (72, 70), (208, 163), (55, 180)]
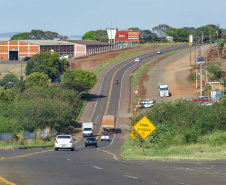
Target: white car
[(159, 52), (145, 105), (64, 142), (206, 104), (105, 136), (148, 101), (137, 60)]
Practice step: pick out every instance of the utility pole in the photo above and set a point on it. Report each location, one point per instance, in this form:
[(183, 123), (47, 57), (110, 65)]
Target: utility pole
[(196, 68), (202, 37), (210, 37), (200, 79)]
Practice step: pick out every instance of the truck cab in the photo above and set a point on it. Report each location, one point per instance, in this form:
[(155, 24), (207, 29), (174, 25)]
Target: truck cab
[(163, 90)]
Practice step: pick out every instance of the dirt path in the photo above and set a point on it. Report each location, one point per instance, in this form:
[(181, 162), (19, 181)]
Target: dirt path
[(174, 71)]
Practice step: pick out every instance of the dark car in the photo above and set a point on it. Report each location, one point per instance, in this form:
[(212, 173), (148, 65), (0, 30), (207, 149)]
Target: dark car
[(91, 141)]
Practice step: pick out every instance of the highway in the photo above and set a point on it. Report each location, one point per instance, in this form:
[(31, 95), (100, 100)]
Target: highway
[(103, 165)]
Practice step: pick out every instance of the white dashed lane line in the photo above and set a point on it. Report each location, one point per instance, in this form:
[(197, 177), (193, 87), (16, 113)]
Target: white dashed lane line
[(132, 177), (97, 167)]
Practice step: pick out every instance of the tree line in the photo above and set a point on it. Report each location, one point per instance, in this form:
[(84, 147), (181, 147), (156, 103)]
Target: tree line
[(205, 33)]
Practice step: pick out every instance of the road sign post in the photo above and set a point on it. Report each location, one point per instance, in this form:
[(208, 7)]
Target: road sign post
[(144, 128)]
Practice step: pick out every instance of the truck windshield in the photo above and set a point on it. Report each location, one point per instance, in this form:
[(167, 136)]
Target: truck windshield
[(87, 129), (164, 89)]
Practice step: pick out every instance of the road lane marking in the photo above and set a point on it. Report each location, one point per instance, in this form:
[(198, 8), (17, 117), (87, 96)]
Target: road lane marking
[(132, 177), (97, 167), (26, 155), (5, 181)]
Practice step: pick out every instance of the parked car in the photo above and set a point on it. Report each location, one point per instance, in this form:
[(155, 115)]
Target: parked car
[(145, 105), (64, 142), (159, 52), (137, 60), (206, 97), (149, 101), (206, 104), (105, 136), (91, 141), (200, 99)]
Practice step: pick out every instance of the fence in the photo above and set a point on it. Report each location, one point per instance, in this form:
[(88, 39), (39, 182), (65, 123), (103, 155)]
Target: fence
[(26, 136)]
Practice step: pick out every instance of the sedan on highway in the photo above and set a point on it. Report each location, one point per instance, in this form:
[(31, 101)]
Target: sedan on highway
[(91, 141), (64, 142), (137, 60), (105, 136), (159, 52)]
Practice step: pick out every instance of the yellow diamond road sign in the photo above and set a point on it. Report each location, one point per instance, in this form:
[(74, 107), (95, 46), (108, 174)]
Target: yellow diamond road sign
[(144, 127), (134, 134)]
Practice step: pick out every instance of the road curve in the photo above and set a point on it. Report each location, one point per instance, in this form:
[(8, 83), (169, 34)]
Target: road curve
[(102, 166)]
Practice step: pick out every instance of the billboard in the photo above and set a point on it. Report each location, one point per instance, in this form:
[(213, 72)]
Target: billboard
[(127, 35)]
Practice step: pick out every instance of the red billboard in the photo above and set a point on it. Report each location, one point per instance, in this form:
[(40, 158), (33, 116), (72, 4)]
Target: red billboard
[(127, 35)]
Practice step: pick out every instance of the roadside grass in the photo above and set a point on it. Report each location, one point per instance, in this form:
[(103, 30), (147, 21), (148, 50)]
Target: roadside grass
[(14, 68), (38, 144), (126, 55), (183, 152), (116, 59)]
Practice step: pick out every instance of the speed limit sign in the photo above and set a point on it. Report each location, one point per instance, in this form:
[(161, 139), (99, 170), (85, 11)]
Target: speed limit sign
[(136, 91)]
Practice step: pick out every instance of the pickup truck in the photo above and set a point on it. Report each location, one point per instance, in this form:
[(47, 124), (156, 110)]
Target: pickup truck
[(200, 99)]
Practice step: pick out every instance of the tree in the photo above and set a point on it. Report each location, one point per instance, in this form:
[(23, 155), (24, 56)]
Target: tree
[(134, 29), (9, 78), (21, 36), (208, 31), (147, 36), (37, 35), (160, 29), (80, 79), (91, 35), (179, 34), (37, 79), (48, 63), (220, 45), (190, 29), (102, 35), (61, 37)]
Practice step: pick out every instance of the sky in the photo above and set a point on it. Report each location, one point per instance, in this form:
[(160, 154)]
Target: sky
[(76, 17)]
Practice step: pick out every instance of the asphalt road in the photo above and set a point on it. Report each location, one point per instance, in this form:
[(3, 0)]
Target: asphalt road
[(102, 165)]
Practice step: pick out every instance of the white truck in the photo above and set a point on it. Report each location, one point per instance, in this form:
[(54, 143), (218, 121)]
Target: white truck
[(87, 129), (163, 89)]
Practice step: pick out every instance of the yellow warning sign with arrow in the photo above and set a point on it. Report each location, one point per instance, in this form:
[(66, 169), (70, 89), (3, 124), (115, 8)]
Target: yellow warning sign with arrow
[(134, 134)]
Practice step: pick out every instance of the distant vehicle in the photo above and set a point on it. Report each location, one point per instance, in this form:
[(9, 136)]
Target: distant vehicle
[(64, 142), (206, 104), (149, 101), (105, 136), (137, 60), (200, 100), (108, 123), (91, 141), (145, 105), (163, 90), (159, 52), (87, 129), (116, 81), (206, 97)]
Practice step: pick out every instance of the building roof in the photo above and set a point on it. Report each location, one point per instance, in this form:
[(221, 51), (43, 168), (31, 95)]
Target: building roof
[(47, 42), (90, 42)]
